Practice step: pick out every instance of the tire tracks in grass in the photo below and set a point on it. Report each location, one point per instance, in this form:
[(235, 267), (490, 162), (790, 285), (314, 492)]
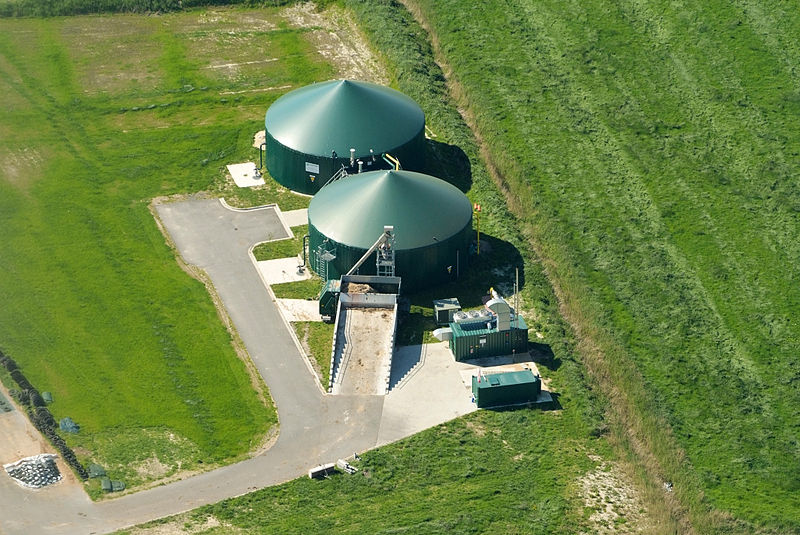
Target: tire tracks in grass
[(592, 343), (682, 260)]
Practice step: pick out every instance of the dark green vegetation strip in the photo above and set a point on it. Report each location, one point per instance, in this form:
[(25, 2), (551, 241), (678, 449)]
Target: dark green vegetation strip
[(95, 307), (317, 338), (655, 151), (52, 8)]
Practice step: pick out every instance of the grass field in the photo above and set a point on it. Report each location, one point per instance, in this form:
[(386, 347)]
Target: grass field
[(521, 471), (100, 115), (500, 481), (653, 153), (287, 248), (317, 338)]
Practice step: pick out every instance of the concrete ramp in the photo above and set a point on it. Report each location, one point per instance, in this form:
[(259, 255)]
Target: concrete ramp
[(363, 343), (365, 359)]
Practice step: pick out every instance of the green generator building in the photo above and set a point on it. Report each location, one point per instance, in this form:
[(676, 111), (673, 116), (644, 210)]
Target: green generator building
[(491, 331), (508, 388), (312, 132), (477, 340)]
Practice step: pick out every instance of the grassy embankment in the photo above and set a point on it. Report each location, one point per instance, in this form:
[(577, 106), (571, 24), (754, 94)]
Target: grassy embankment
[(494, 471), (95, 308), (652, 151)]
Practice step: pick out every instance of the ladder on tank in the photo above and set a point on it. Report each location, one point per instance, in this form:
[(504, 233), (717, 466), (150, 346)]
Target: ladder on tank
[(384, 259), (324, 257)]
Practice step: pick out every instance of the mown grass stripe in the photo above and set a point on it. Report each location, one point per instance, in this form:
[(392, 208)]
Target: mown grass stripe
[(639, 132)]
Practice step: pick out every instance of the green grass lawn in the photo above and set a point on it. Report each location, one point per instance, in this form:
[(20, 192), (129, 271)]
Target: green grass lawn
[(95, 306), (510, 472), (652, 151), (288, 248), (317, 338)]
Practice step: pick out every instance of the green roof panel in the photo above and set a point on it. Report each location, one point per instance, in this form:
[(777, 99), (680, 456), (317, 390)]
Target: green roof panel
[(344, 114), (423, 209)]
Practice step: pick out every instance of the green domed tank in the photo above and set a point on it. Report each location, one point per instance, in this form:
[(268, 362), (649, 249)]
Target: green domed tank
[(310, 131), (432, 222)]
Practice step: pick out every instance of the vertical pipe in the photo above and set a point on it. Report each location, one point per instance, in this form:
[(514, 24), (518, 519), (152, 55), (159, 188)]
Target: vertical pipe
[(305, 244), (261, 155)]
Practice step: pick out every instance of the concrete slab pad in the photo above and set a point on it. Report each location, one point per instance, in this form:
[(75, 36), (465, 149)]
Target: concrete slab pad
[(295, 218), (503, 364), (430, 392), (299, 309), (282, 270), (245, 175)]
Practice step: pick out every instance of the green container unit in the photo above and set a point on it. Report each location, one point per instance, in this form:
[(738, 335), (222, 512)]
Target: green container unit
[(470, 341), (507, 388), (310, 131), (329, 299), (432, 222)]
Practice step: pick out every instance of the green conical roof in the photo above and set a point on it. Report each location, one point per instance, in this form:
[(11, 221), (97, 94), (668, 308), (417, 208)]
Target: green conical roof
[(344, 114), (424, 210)]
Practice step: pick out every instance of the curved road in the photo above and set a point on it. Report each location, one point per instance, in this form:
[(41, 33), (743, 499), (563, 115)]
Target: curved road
[(314, 428)]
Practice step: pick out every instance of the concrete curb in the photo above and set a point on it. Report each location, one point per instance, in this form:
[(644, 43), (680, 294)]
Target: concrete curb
[(286, 323)]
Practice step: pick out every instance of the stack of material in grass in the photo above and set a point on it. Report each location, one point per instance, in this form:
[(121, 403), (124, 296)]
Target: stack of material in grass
[(357, 288), (111, 486), (68, 425), (5, 405), (95, 470), (35, 472)]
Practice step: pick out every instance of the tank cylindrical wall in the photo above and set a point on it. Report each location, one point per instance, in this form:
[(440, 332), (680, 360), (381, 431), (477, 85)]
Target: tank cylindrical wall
[(289, 167), (419, 267)]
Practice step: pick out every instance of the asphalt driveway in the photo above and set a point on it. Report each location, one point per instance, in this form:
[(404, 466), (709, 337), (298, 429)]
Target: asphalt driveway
[(314, 427)]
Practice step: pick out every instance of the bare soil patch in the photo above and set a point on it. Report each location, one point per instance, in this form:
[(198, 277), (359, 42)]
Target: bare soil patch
[(337, 38), (615, 503), (183, 525), (113, 54), (21, 167)]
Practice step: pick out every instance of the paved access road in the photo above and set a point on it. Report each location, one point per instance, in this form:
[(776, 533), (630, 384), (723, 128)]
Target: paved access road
[(314, 427)]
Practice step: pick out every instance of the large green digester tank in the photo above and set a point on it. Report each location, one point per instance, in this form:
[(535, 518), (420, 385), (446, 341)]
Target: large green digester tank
[(432, 222), (310, 132)]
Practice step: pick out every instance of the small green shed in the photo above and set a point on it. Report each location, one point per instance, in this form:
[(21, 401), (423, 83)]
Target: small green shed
[(507, 388)]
